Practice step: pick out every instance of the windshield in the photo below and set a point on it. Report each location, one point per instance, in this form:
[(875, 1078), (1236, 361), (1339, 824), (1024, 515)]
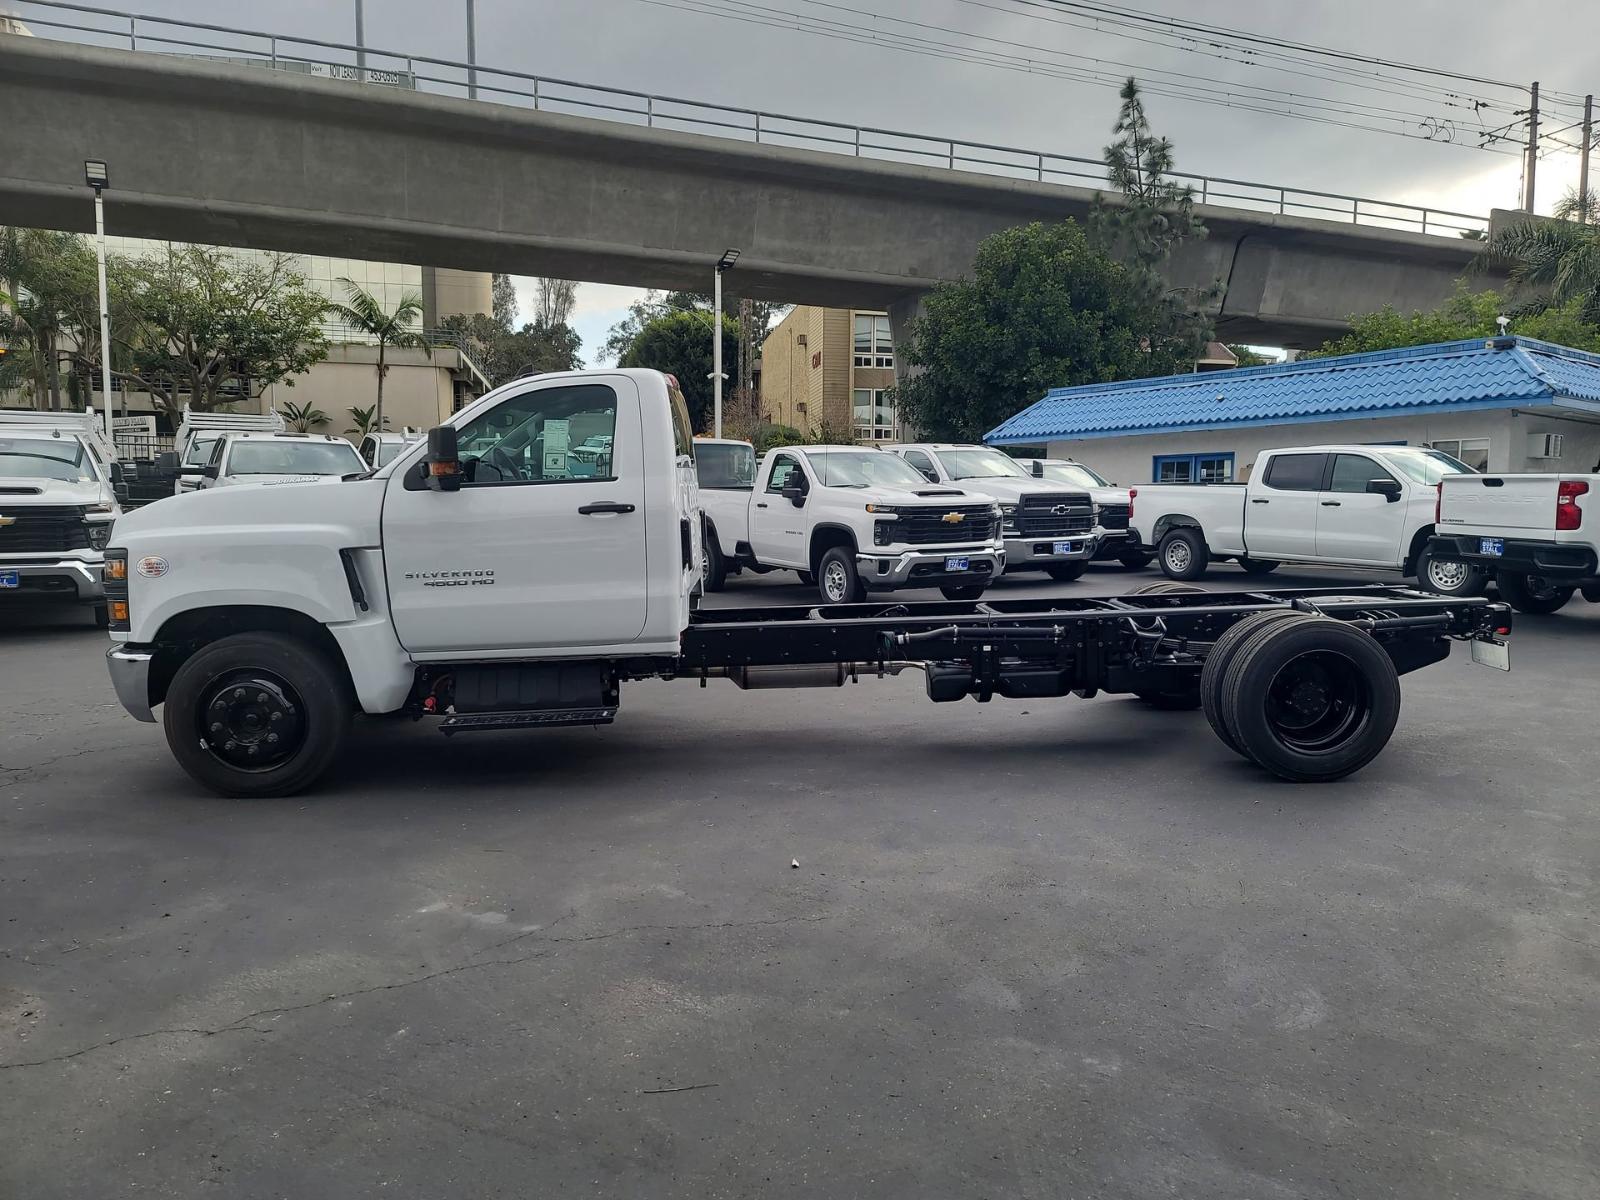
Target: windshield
[(199, 452), (722, 465), (1073, 473), (294, 458), (978, 463), (1427, 466), (864, 468), (44, 458), (388, 452)]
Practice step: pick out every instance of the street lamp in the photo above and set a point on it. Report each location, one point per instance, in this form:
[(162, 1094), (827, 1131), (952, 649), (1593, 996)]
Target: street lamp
[(725, 263), (96, 176)]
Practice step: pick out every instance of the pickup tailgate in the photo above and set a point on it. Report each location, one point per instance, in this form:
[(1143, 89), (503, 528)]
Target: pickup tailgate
[(1514, 504)]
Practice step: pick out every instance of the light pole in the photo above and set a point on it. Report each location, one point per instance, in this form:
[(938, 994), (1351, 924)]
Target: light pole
[(472, 49), (725, 263), (95, 175)]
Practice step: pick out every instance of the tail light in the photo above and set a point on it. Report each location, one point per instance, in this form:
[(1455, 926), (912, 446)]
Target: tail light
[(1568, 514), (1132, 492), (1438, 501)]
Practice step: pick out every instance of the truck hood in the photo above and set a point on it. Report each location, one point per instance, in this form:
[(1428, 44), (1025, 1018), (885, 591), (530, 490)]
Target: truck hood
[(274, 480), (1009, 490), (934, 493), (206, 518), (16, 491)]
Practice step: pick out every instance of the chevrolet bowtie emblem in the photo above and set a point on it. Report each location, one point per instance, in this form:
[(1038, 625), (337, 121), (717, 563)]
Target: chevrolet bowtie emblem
[(4, 521), (953, 518)]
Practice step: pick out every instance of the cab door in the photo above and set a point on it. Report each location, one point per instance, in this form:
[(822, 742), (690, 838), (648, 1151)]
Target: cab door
[(777, 525), (543, 548), (1355, 525), (1280, 513)]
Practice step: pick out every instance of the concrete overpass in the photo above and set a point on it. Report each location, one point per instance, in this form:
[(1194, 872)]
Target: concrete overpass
[(211, 152)]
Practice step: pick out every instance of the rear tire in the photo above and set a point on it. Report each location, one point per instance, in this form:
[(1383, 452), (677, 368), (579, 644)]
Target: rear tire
[(1184, 554), (1258, 566), (807, 579), (1450, 576), (837, 578), (1066, 572), (1532, 594), (1135, 562), (1162, 588), (1217, 662), (257, 714), (1311, 701), (961, 593)]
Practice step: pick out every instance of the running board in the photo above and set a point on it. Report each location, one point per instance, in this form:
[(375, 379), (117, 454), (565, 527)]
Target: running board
[(527, 719)]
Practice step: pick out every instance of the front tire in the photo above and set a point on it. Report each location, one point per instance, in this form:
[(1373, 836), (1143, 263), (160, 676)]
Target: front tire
[(714, 564), (1258, 566), (1183, 554), (1450, 576), (102, 617), (1067, 572), (1135, 562), (962, 593), (837, 578), (1533, 594), (257, 714)]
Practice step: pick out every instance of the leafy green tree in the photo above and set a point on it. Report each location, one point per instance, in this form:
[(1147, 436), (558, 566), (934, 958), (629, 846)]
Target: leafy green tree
[(303, 418), (1467, 314), (656, 304), (55, 318), (213, 325), (1044, 308), (366, 421), (1247, 357), (680, 344), (504, 355), (365, 312), (503, 299), (1552, 262)]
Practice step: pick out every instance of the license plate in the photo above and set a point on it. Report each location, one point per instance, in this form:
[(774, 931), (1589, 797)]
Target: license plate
[(1064, 548), (10, 579), (1494, 654), (957, 564), (1493, 546)]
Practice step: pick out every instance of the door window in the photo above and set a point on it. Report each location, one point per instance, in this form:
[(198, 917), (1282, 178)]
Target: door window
[(783, 467), (549, 435), (1296, 472), (682, 427), (1352, 472), (923, 463)]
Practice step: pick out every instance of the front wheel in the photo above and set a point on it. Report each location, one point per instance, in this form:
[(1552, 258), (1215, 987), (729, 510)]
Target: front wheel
[(1184, 554), (1258, 566), (1136, 561), (1067, 572), (257, 714), (1533, 594), (961, 593), (1450, 576), (837, 578), (102, 617)]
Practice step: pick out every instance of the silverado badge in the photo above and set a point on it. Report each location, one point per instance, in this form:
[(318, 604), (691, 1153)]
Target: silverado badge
[(4, 521)]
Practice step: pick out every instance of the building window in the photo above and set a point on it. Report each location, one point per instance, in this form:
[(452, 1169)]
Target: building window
[(1472, 451), (872, 415), (872, 347), (1193, 468)]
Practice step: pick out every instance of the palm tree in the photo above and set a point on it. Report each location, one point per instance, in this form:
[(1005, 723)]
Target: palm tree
[(365, 313), (1556, 260)]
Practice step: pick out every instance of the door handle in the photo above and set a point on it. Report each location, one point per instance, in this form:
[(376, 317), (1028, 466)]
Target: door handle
[(604, 506), (761, 503), (1258, 500), (1331, 503)]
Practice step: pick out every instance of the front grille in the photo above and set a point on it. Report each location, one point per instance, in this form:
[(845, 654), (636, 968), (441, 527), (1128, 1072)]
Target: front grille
[(1113, 516), (1061, 515), (43, 529), (928, 526)]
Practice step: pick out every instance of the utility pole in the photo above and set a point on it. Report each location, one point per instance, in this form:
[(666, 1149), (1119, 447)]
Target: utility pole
[(1533, 148), (1583, 159), (361, 43), (97, 177), (472, 49)]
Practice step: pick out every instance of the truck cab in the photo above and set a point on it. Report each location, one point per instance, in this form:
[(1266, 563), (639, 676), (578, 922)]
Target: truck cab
[(380, 449), (726, 470), (1048, 527), (197, 437), (278, 458), (59, 483)]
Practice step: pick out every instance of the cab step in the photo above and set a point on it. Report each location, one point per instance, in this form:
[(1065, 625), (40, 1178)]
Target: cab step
[(527, 719)]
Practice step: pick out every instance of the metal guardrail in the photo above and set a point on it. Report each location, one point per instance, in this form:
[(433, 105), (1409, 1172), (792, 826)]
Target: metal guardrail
[(440, 76)]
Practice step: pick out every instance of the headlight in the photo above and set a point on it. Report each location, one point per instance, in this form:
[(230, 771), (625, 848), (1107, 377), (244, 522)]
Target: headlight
[(99, 535), (887, 511), (105, 506), (1008, 515), (117, 568)]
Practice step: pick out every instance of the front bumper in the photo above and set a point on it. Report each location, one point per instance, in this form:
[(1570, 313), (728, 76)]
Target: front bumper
[(1523, 556), (66, 579), (130, 677), (1040, 552), (926, 568)]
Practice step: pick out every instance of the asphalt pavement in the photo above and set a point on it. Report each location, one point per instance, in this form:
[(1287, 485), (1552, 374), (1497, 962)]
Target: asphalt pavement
[(1053, 948)]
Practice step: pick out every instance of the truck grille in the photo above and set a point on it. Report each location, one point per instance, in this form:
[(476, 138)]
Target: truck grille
[(1055, 516), (43, 529), (1113, 516), (928, 527)]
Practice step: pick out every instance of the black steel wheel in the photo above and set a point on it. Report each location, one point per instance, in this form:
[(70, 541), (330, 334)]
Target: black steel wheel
[(1184, 554), (1533, 594), (1217, 662), (257, 714), (1068, 571), (1311, 701)]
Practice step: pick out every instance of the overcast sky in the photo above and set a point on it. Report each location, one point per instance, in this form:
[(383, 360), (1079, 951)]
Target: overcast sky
[(658, 46)]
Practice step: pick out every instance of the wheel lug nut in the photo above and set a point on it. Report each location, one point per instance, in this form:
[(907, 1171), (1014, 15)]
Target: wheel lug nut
[(229, 744), (238, 693), (254, 749), (216, 727), (277, 716), (272, 737), (261, 697)]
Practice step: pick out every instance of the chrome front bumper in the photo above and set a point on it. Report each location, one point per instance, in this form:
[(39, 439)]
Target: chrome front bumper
[(891, 570), (130, 676), (85, 578), (1040, 552)]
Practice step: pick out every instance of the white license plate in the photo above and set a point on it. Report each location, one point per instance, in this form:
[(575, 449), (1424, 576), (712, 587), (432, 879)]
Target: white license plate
[(1064, 548), (10, 579), (957, 564), (1492, 654), (1494, 546)]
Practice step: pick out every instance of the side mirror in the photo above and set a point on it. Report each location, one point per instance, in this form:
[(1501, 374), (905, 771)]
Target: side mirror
[(209, 471), (1387, 488), (1038, 469), (442, 462), (167, 462), (929, 474), (117, 477), (794, 494)]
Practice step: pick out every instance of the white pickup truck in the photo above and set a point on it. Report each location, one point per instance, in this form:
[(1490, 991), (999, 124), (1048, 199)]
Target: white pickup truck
[(1367, 507), (1536, 536), (523, 585), (1118, 538), (278, 458), (197, 437), (726, 470), (853, 520)]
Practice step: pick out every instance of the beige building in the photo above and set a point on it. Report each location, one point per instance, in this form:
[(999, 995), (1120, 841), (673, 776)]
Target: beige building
[(827, 370)]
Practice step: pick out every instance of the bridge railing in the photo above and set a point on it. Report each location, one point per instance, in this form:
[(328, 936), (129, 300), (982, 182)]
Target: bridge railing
[(116, 28)]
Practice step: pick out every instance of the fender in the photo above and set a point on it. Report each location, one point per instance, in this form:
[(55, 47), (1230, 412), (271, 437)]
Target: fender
[(1171, 521)]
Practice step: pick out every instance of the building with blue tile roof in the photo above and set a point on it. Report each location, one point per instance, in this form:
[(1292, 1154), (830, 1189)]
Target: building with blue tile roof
[(1494, 403)]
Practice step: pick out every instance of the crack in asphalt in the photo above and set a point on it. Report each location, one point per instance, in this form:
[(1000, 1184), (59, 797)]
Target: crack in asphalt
[(242, 1024), (49, 762)]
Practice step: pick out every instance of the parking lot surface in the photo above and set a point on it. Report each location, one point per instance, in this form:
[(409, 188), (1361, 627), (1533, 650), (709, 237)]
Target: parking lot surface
[(1051, 948)]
